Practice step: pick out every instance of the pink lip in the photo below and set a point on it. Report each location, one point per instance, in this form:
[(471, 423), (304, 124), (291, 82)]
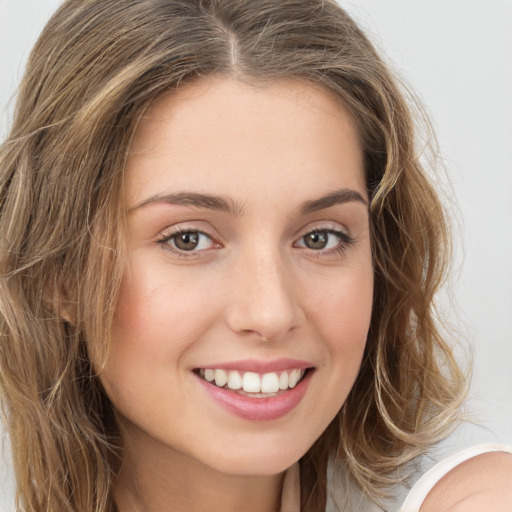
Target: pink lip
[(259, 366), (258, 409)]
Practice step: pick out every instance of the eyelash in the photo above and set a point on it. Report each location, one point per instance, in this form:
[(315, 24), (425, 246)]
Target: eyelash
[(344, 242), (164, 241)]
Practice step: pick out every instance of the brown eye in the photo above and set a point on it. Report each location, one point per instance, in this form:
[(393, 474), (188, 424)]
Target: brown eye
[(187, 241), (316, 240), (324, 241)]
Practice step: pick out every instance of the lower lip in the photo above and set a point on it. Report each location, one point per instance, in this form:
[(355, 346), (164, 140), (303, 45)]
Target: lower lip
[(258, 409)]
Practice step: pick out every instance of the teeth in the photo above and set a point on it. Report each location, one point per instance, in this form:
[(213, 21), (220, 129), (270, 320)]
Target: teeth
[(252, 382), (221, 378), (283, 380), (234, 380), (270, 383), (294, 377)]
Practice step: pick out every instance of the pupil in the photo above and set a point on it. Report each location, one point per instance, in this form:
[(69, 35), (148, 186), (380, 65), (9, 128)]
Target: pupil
[(187, 241), (316, 240)]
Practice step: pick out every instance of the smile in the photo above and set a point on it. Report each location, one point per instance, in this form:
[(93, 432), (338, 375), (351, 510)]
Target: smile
[(251, 383), (256, 390)]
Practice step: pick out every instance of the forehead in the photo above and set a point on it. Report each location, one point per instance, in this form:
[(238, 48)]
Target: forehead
[(221, 134)]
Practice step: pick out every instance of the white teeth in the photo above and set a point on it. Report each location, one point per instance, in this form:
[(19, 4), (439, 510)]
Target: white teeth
[(293, 378), (270, 383), (251, 382), (221, 377), (283, 380), (234, 380)]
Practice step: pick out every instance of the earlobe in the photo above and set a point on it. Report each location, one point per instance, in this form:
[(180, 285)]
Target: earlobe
[(66, 310), (67, 316), (62, 307)]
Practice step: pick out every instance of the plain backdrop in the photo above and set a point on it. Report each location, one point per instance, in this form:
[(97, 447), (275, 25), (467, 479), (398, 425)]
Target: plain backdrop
[(457, 56)]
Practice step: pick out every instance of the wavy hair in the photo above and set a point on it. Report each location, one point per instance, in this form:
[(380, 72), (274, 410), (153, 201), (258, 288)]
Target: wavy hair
[(95, 70)]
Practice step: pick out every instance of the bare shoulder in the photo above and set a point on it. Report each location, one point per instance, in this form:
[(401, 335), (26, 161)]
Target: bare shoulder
[(481, 483)]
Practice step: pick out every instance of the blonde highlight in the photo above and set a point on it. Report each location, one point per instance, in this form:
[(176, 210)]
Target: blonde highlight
[(94, 72)]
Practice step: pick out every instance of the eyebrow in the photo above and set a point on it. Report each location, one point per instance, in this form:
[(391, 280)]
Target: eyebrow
[(209, 202), (343, 195), (225, 204)]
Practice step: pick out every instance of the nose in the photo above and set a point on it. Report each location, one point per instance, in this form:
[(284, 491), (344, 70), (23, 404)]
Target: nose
[(264, 298)]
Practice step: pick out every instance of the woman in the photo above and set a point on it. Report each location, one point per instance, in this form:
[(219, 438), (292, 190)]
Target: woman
[(219, 255)]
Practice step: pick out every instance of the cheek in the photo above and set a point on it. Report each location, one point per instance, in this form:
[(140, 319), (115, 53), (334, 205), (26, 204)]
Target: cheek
[(342, 310), (157, 305), (345, 303), (160, 316), (153, 326)]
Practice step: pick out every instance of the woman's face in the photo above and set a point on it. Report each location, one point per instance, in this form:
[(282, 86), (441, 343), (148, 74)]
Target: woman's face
[(249, 261)]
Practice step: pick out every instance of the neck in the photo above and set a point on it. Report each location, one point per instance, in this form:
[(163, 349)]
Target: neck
[(155, 478)]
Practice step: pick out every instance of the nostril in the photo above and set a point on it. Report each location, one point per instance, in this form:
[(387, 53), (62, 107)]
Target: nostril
[(256, 333)]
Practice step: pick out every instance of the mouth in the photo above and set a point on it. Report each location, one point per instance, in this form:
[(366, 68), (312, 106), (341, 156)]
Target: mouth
[(256, 390), (252, 384)]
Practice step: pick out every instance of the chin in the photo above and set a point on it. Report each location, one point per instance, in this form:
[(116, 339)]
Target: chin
[(257, 460)]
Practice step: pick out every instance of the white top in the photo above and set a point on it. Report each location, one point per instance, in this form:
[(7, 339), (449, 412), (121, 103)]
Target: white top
[(426, 483), (339, 498)]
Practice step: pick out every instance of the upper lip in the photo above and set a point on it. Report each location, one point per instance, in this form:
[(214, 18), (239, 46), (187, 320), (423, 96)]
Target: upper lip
[(260, 366)]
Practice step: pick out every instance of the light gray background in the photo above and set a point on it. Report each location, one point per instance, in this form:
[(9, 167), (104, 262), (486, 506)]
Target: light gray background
[(457, 55)]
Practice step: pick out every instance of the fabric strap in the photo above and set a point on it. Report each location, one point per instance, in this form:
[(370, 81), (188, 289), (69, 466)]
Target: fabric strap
[(424, 485)]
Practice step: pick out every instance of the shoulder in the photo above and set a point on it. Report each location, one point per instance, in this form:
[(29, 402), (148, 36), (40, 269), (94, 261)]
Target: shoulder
[(483, 482)]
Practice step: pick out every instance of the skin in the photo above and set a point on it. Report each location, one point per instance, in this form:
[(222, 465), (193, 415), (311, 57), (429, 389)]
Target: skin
[(480, 483), (252, 288)]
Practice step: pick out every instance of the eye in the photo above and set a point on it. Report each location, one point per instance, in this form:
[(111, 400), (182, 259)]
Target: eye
[(188, 241), (325, 240), (320, 240)]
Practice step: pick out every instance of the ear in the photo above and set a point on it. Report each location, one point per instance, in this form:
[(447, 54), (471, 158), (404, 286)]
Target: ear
[(60, 304), (66, 314), (66, 308)]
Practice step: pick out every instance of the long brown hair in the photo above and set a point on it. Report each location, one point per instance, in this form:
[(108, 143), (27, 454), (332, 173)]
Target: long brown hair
[(96, 68)]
